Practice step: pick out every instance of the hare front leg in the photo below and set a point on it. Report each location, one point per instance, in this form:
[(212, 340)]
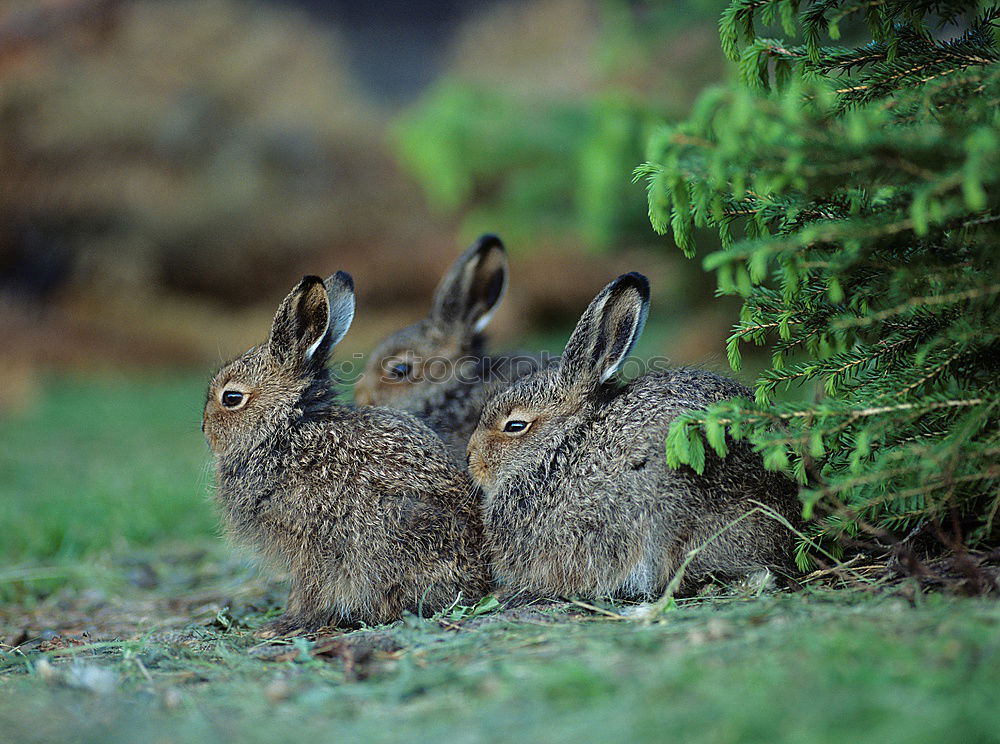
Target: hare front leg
[(304, 612)]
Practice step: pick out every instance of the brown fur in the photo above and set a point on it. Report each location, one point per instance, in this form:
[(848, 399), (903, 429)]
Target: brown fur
[(446, 374), (364, 507), (582, 502)]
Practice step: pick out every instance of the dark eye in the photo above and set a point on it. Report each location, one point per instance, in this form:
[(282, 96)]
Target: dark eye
[(515, 427), (232, 398), (400, 370)]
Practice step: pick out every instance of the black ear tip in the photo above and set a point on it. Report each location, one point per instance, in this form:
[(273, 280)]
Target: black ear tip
[(636, 281), (488, 242), (309, 280), (346, 279)]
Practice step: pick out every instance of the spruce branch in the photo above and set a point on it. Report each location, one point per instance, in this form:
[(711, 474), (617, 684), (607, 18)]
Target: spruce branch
[(918, 304), (856, 191)]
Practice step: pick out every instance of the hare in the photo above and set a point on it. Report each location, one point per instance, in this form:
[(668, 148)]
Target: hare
[(577, 495), (436, 368), (364, 507)]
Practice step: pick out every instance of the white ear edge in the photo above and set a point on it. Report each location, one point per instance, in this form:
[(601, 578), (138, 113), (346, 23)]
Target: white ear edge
[(611, 370), (486, 317), (484, 321), (315, 344), (640, 323)]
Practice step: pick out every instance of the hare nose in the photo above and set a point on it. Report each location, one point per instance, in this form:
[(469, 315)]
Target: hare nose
[(478, 468)]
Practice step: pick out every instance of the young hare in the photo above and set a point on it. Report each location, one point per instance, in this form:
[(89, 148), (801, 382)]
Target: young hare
[(364, 507), (578, 497), (436, 368)]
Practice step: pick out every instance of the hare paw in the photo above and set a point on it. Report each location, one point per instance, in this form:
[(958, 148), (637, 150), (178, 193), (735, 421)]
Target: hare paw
[(283, 627)]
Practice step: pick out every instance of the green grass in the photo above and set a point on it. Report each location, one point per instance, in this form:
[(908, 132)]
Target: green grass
[(104, 463), (787, 668), (106, 483), (101, 465)]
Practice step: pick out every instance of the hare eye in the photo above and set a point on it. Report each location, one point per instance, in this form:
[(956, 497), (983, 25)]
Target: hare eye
[(400, 370), (516, 427), (232, 398)]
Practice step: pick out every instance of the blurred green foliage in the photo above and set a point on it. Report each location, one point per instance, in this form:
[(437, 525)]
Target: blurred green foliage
[(551, 158), (557, 170)]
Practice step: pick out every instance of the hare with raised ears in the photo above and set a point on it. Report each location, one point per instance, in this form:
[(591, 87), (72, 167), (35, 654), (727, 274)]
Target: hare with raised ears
[(436, 368), (364, 507), (578, 497)]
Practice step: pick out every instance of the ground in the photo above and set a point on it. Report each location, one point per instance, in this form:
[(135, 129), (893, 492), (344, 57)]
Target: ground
[(124, 617)]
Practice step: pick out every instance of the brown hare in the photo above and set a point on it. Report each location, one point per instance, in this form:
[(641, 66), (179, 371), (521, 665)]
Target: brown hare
[(364, 507), (436, 368), (578, 498)]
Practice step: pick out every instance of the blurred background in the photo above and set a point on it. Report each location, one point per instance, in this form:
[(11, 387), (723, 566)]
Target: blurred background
[(171, 168)]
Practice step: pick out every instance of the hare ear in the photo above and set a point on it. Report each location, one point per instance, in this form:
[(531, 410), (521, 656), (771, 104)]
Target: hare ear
[(606, 332), (473, 287), (301, 323), (302, 326), (340, 293)]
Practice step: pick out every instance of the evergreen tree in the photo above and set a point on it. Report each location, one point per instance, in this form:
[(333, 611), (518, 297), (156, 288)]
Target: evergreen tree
[(856, 191)]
